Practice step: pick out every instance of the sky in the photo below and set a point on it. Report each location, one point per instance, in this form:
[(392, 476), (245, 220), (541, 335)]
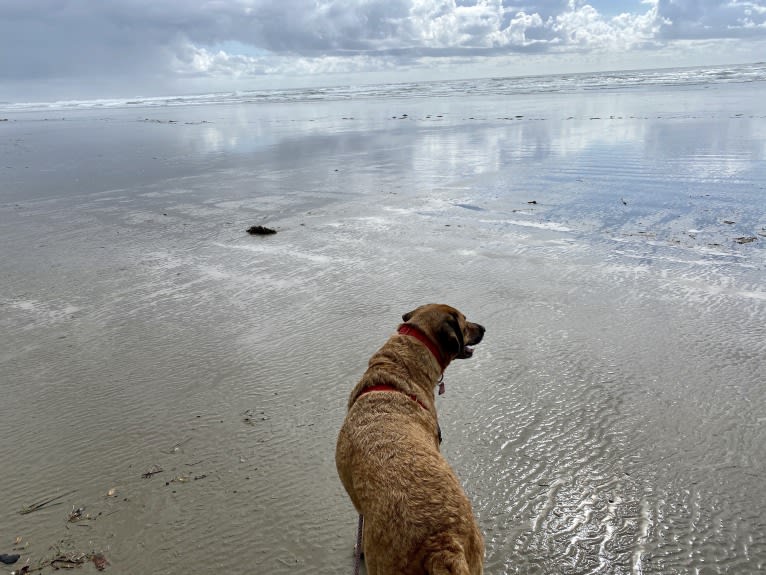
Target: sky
[(87, 49)]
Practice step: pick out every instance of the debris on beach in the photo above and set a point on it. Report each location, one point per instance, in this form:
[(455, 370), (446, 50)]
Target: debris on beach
[(78, 514), (249, 417), (745, 239), (178, 479), (176, 447), (155, 469), (99, 561), (729, 222), (50, 501), (68, 560), (260, 231), (75, 514), (64, 560), (532, 202), (9, 558)]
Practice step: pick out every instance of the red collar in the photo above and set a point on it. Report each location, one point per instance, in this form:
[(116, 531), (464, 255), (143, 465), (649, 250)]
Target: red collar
[(389, 388), (411, 330)]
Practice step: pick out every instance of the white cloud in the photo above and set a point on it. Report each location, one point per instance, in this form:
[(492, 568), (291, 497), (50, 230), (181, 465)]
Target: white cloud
[(583, 26), (444, 24)]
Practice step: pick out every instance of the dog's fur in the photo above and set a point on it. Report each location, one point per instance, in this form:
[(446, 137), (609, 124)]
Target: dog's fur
[(417, 519)]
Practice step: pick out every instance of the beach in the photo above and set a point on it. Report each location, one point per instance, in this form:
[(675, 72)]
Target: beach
[(183, 382)]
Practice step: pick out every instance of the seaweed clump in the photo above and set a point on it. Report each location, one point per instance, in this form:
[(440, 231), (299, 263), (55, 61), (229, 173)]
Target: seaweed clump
[(260, 231)]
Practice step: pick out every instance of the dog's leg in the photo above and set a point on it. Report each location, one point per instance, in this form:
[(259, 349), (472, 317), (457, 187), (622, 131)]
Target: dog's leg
[(448, 562), (368, 555), (370, 565)]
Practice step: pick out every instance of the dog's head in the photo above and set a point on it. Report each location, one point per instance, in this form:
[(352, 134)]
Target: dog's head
[(447, 327)]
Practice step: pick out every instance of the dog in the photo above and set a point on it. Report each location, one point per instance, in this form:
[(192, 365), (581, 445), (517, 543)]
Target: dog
[(417, 518)]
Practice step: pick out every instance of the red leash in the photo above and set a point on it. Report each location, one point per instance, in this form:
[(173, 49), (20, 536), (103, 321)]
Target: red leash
[(389, 388)]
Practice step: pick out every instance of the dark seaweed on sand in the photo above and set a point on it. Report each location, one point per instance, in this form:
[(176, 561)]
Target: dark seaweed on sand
[(261, 231)]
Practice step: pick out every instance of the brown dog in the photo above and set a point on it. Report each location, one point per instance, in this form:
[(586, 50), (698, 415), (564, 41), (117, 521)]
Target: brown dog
[(417, 519)]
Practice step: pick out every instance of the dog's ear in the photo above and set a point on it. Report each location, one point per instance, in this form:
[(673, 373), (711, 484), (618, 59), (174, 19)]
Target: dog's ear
[(450, 336), (408, 316)]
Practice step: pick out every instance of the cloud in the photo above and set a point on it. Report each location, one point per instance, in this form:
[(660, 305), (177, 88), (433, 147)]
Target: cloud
[(694, 19), (160, 44)]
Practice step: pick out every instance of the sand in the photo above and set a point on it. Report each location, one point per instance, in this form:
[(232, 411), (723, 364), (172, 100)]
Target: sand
[(612, 421)]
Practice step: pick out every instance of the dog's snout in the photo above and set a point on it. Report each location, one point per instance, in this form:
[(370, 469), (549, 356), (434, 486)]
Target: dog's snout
[(475, 333)]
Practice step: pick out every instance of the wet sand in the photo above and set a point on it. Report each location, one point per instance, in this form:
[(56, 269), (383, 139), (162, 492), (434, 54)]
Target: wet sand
[(611, 422)]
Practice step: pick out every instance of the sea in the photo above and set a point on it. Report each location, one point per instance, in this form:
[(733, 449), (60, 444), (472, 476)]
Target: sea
[(503, 86)]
